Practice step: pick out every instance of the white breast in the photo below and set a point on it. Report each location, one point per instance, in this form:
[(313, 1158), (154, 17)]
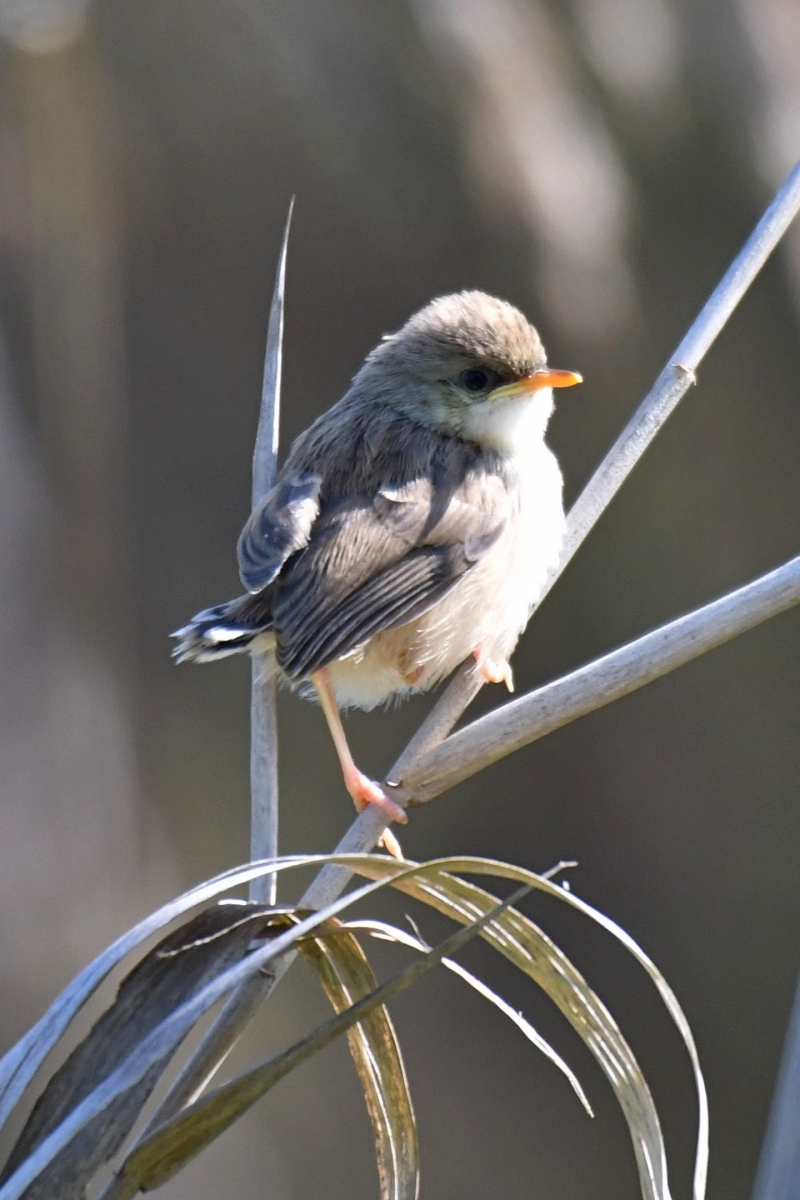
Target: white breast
[(491, 606)]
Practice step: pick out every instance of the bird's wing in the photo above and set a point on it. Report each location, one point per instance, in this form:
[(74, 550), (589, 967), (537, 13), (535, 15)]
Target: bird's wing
[(277, 528), (372, 564)]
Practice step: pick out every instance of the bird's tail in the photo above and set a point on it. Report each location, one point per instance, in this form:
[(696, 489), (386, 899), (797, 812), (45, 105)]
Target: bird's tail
[(226, 629)]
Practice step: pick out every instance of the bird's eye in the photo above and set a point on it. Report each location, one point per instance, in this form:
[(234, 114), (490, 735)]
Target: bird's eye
[(478, 379)]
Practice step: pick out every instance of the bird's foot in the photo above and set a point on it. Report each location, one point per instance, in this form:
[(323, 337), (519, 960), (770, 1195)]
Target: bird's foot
[(365, 791), (494, 670)]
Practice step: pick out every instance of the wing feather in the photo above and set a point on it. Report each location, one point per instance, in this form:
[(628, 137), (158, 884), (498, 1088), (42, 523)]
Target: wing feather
[(277, 528), (401, 592), (374, 564)]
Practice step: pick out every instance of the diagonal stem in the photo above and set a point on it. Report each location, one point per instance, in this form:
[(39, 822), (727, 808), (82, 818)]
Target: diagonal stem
[(548, 708)]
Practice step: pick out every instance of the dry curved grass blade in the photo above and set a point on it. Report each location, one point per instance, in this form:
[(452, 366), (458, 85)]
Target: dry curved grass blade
[(171, 1146), (64, 1153), (63, 1150), (172, 972), (23, 1060), (341, 966), (390, 933), (436, 884), (531, 950)]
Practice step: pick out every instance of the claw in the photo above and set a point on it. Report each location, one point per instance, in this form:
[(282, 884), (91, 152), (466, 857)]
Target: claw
[(365, 791)]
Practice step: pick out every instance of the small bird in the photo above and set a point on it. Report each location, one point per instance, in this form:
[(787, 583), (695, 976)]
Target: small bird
[(413, 525)]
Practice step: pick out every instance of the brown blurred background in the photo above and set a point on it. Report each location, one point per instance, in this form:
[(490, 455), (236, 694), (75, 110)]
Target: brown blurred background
[(598, 162)]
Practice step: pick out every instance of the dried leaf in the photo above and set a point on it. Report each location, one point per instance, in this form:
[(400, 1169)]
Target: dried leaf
[(23, 1060), (173, 971), (169, 1148), (342, 968), (434, 883), (154, 1051), (519, 940), (391, 933)]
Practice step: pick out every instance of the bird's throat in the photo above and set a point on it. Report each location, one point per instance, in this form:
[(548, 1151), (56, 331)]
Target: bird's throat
[(511, 426)]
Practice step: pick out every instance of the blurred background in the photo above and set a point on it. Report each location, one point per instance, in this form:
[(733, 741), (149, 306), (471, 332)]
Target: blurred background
[(597, 162)]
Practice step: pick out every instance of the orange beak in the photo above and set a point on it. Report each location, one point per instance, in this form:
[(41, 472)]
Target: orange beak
[(543, 378)]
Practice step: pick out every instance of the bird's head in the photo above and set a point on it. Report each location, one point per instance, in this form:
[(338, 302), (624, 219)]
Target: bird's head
[(469, 365)]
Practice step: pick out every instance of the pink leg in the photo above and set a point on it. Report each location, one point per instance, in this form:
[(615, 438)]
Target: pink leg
[(492, 670), (363, 790)]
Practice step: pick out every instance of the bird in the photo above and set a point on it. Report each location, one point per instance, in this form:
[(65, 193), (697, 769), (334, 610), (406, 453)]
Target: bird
[(412, 526)]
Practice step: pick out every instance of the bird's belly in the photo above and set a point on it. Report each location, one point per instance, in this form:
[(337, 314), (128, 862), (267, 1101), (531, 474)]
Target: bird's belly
[(488, 608)]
